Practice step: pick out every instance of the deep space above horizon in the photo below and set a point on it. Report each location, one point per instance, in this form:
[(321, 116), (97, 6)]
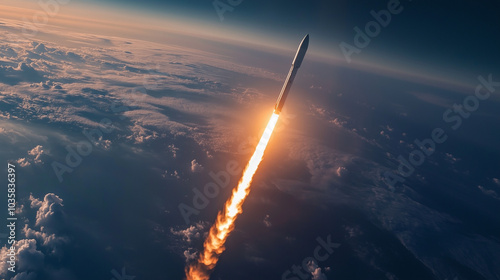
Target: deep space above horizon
[(129, 124)]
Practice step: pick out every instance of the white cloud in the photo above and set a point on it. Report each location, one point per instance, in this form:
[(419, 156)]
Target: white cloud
[(385, 134), (266, 221), (106, 144), (40, 243), (323, 164), (451, 158), (352, 231), (196, 167), (341, 171), (174, 174), (36, 152), (49, 218), (173, 149), (331, 117), (496, 181), (50, 211), (76, 84), (488, 192), (35, 202), (28, 257), (51, 241), (190, 254), (34, 156), (141, 134), (23, 162), (20, 209), (337, 122), (315, 271), (191, 233)]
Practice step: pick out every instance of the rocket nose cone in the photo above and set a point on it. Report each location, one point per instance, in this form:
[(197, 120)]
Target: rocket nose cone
[(306, 40), (301, 52)]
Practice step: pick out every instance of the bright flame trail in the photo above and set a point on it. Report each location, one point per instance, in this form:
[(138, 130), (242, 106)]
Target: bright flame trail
[(224, 225)]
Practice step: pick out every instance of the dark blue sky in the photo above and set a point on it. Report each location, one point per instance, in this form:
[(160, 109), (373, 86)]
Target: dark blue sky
[(463, 36)]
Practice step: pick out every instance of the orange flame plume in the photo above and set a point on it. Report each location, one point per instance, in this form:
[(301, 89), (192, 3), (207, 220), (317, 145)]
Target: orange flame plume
[(224, 225)]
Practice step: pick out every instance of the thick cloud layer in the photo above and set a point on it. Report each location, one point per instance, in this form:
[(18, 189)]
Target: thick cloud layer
[(41, 243)]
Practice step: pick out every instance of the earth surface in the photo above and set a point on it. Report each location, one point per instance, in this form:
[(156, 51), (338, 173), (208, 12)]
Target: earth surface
[(115, 140)]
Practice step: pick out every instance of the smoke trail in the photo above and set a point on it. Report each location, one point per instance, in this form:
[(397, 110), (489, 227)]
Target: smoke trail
[(224, 225)]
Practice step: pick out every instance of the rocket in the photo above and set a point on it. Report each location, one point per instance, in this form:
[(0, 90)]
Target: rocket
[(297, 61)]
